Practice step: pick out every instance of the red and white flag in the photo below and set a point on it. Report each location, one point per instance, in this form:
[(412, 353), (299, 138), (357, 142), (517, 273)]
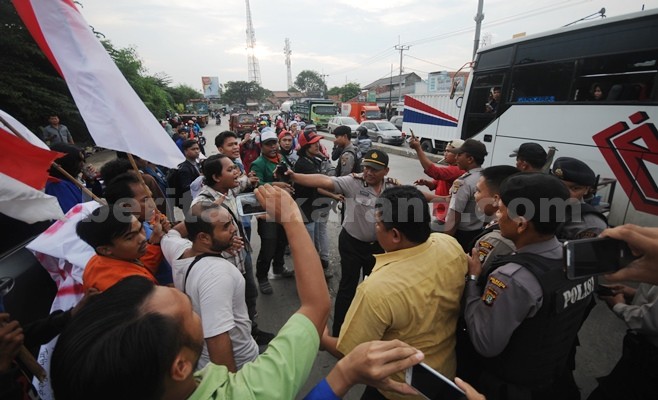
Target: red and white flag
[(64, 256), (23, 172), (117, 119)]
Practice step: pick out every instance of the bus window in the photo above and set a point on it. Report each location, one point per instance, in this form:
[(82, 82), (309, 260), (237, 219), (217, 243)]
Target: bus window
[(478, 115), (543, 83), (620, 77)]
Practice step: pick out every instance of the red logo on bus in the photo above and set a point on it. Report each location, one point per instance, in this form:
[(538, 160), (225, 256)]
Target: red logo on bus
[(630, 153)]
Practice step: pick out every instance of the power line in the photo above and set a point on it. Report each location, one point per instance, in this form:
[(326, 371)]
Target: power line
[(389, 51), (499, 21), (430, 62), (378, 56)]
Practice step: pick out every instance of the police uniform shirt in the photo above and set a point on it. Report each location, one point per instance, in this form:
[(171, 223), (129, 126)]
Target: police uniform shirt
[(512, 294), (642, 314), (491, 245), (359, 206), (589, 226), (462, 200)]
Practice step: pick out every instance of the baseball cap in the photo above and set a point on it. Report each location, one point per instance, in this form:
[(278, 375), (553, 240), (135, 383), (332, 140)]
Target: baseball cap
[(530, 152), (293, 122), (267, 135), (308, 137), (310, 128), (472, 147), (456, 143), (284, 133), (376, 159), (573, 170)]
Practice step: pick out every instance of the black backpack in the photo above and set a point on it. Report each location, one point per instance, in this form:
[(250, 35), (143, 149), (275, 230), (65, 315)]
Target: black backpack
[(173, 184)]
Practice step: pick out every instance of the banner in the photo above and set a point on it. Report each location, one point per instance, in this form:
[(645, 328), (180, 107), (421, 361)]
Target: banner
[(210, 86)]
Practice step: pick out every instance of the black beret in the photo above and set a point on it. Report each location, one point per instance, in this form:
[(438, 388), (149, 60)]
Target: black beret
[(542, 192), (573, 170)]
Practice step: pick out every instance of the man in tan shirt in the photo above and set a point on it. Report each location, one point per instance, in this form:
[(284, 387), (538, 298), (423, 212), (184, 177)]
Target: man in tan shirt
[(414, 290)]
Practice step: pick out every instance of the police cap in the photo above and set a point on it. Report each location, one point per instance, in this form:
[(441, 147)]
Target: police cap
[(573, 170)]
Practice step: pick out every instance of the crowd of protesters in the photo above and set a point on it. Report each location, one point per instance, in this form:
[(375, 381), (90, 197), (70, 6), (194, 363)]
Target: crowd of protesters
[(468, 278)]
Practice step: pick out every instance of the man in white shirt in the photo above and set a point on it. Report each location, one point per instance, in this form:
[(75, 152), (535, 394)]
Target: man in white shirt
[(216, 288)]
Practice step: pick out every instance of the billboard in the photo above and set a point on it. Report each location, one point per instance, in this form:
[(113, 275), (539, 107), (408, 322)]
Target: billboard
[(210, 86)]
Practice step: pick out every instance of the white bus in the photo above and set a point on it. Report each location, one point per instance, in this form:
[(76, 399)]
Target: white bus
[(547, 96)]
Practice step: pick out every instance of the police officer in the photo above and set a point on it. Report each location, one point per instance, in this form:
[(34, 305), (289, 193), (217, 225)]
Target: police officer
[(526, 319), (530, 157), (579, 178), (357, 241), (463, 220)]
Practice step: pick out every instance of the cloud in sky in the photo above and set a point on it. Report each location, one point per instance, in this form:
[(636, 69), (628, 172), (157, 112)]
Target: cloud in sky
[(349, 41)]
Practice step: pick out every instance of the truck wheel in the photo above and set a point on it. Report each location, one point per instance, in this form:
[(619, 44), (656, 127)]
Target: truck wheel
[(426, 145)]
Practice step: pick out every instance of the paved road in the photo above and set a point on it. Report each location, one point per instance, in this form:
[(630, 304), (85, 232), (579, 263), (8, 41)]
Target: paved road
[(600, 336)]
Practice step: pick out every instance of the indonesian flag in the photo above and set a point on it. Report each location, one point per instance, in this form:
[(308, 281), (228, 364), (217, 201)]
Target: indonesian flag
[(117, 119), (64, 256), (23, 173)]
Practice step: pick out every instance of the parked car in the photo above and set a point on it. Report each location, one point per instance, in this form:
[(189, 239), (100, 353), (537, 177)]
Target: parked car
[(383, 132), (338, 121), (397, 121)]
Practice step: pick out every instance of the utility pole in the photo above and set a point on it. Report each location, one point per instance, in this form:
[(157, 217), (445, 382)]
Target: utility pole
[(324, 82), (401, 48), (390, 95), (478, 24)]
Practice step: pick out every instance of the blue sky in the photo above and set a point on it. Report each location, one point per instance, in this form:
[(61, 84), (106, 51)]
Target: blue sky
[(349, 41)]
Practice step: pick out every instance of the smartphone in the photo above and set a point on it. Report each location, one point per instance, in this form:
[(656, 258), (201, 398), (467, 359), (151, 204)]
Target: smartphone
[(432, 384), (412, 133), (595, 256), (249, 205), (604, 291)]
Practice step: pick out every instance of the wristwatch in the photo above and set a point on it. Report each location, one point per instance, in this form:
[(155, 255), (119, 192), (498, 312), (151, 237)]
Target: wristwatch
[(471, 277)]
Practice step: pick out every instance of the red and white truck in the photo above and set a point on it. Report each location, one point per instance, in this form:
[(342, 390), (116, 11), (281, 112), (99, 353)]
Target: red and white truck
[(433, 119)]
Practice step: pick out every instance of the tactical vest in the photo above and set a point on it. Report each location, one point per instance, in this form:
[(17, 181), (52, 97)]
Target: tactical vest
[(585, 209), (538, 351)]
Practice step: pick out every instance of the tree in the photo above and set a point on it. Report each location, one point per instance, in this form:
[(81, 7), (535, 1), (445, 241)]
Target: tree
[(334, 91), (240, 92), (349, 91), (30, 88), (310, 81), (183, 93), (151, 89)]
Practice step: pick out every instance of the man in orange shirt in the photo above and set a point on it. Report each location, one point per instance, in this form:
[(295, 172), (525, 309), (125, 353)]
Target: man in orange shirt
[(121, 247)]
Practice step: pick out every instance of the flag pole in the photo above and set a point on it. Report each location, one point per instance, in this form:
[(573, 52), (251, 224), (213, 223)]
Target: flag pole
[(139, 173), (58, 167)]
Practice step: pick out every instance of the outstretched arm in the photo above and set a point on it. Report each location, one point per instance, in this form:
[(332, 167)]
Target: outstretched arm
[(311, 285), (312, 180), (372, 363), (414, 143)]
